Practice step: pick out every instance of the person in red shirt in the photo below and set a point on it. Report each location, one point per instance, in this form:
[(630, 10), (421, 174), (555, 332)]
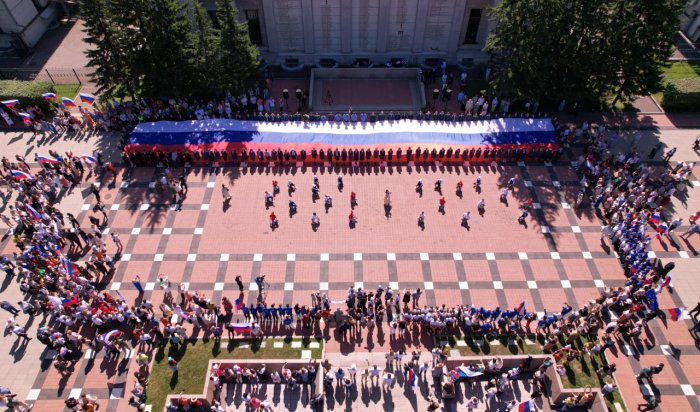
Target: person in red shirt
[(441, 208), (352, 218), (274, 223)]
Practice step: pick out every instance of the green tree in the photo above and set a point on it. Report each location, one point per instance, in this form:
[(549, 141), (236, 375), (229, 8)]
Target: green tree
[(107, 54), (239, 57), (640, 32), (580, 50), (205, 50)]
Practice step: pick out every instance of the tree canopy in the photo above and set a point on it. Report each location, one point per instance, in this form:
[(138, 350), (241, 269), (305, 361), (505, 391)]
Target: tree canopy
[(166, 48), (581, 50)]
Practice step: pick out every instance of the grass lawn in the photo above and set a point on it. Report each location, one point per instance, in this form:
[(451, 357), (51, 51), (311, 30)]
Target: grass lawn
[(678, 70), (193, 361), (681, 70), (66, 90), (579, 373)]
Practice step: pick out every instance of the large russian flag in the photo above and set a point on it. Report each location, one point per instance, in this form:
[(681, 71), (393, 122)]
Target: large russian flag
[(662, 228), (49, 96), (10, 103), (521, 308), (49, 160), (20, 175), (67, 102), (87, 98)]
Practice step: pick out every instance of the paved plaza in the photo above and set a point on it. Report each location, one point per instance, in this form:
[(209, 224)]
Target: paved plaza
[(556, 257)]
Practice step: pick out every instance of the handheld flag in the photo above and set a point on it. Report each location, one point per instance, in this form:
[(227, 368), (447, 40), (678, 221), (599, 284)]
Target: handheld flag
[(88, 159), (412, 378), (10, 103), (238, 304), (521, 308), (667, 281), (20, 175), (44, 159), (67, 102), (662, 227), (24, 115), (675, 313), (49, 96), (655, 218), (566, 348), (464, 372), (526, 406), (68, 265), (241, 327), (87, 98), (35, 213)]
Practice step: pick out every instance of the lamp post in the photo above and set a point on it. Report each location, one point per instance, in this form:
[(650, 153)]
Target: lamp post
[(285, 94), (298, 95), (446, 95), (436, 94)]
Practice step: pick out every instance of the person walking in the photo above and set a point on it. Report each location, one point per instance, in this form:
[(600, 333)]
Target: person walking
[(137, 284), (239, 283), (441, 205), (8, 307), (226, 194), (117, 242), (20, 332), (694, 228), (670, 154)]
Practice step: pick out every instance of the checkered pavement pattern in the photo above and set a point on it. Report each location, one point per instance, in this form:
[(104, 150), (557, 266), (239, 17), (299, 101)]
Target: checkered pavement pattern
[(556, 258)]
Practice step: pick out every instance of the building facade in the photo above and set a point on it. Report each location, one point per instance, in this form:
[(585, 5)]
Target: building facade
[(23, 23), (690, 20), (378, 30)]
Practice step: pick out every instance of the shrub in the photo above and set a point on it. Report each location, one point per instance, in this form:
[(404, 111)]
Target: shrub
[(28, 93), (682, 95)]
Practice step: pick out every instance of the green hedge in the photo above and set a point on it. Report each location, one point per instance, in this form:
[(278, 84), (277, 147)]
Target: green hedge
[(682, 95), (26, 92)]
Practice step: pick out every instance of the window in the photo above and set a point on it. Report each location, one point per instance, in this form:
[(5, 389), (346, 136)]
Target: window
[(254, 31), (473, 26)]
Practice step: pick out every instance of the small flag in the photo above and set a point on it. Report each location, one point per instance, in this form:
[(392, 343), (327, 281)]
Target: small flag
[(675, 313), (412, 378), (88, 159), (655, 218), (10, 103), (662, 228), (44, 159), (24, 115), (566, 348), (241, 327), (20, 175), (87, 98), (67, 102), (35, 213), (68, 265), (521, 308), (526, 406), (238, 304), (667, 281), (49, 96)]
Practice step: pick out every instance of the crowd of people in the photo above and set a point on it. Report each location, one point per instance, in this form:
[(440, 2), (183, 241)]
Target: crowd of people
[(627, 193)]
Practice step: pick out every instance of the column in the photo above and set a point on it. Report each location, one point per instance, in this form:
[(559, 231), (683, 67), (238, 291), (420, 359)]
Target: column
[(270, 25), (307, 14), (346, 26), (421, 20), (382, 28)]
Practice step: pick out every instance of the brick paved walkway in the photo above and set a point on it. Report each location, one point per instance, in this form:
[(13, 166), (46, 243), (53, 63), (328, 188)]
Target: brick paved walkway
[(557, 258)]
